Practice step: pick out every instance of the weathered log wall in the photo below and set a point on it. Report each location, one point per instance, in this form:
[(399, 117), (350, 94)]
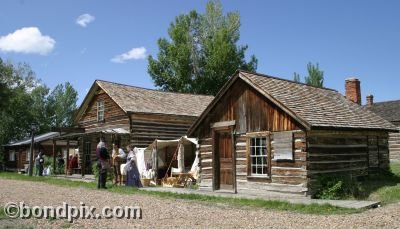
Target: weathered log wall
[(253, 113), (145, 128), (355, 153), (206, 164), (394, 146), (287, 176)]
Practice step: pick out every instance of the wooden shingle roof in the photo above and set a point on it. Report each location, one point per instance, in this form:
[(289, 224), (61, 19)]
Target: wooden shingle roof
[(312, 107), (141, 100), (319, 107), (389, 110)]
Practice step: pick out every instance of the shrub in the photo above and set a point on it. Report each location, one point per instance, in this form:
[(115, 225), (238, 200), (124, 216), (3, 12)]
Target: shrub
[(47, 161), (337, 187)]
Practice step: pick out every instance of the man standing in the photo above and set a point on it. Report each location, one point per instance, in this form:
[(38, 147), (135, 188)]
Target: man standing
[(41, 163), (102, 164)]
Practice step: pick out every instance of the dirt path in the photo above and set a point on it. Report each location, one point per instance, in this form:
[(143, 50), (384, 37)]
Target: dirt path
[(162, 213)]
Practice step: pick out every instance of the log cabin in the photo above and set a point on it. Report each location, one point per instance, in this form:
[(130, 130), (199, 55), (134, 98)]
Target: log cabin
[(18, 152), (389, 110), (126, 114), (263, 134)]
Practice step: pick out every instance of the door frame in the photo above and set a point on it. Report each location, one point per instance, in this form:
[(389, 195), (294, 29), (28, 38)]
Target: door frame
[(216, 128)]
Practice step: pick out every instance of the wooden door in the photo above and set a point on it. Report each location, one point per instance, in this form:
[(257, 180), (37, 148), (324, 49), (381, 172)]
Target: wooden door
[(224, 161)]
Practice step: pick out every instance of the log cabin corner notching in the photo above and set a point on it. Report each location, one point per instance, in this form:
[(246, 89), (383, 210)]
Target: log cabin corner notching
[(262, 133), (132, 115)]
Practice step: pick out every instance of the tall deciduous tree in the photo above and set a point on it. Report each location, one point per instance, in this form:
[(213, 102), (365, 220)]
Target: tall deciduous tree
[(315, 76), (202, 52), (25, 99), (62, 105)]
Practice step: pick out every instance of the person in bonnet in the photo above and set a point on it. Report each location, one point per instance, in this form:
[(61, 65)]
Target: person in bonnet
[(132, 172), (102, 163)]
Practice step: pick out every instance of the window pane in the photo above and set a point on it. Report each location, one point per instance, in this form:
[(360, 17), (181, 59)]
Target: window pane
[(259, 170), (264, 160), (258, 142), (264, 152), (259, 161), (264, 142)]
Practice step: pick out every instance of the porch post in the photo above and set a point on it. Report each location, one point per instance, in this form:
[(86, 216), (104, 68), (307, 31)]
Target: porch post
[(54, 155), (156, 164), (66, 167), (82, 155)]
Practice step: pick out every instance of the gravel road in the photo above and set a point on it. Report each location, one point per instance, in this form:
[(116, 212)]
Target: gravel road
[(167, 213)]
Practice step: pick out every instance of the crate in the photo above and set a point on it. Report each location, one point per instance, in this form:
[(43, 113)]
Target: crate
[(145, 182)]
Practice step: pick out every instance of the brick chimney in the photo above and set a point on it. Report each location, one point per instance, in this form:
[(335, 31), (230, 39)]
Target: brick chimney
[(353, 91), (370, 100)]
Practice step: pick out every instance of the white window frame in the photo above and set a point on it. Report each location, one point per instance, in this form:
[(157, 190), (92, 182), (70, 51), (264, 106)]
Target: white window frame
[(100, 110), (258, 145), (11, 155)]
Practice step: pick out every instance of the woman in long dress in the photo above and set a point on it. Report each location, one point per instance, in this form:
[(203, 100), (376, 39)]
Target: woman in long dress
[(132, 172)]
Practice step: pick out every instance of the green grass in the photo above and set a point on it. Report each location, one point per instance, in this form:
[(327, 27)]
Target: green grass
[(259, 203), (384, 188), (241, 202), (2, 213)]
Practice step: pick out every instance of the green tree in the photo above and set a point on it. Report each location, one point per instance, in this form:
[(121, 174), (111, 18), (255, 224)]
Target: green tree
[(25, 99), (15, 114), (202, 52), (315, 76), (4, 90), (39, 107), (62, 105)]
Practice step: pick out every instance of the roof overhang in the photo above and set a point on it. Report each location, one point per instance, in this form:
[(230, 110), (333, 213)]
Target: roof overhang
[(88, 98), (237, 75), (110, 131)]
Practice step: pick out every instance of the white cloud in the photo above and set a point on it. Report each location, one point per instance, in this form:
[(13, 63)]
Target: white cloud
[(27, 40), (133, 54), (84, 19)]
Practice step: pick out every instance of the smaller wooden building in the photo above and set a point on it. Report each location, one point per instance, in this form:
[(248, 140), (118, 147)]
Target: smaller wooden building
[(262, 134), (389, 110), (127, 114), (17, 153)]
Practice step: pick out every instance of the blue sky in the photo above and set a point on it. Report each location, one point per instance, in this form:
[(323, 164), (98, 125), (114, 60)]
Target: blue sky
[(347, 38)]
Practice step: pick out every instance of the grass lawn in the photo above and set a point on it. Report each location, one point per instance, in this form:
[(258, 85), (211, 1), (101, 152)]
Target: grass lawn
[(259, 203), (384, 188), (2, 213)]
